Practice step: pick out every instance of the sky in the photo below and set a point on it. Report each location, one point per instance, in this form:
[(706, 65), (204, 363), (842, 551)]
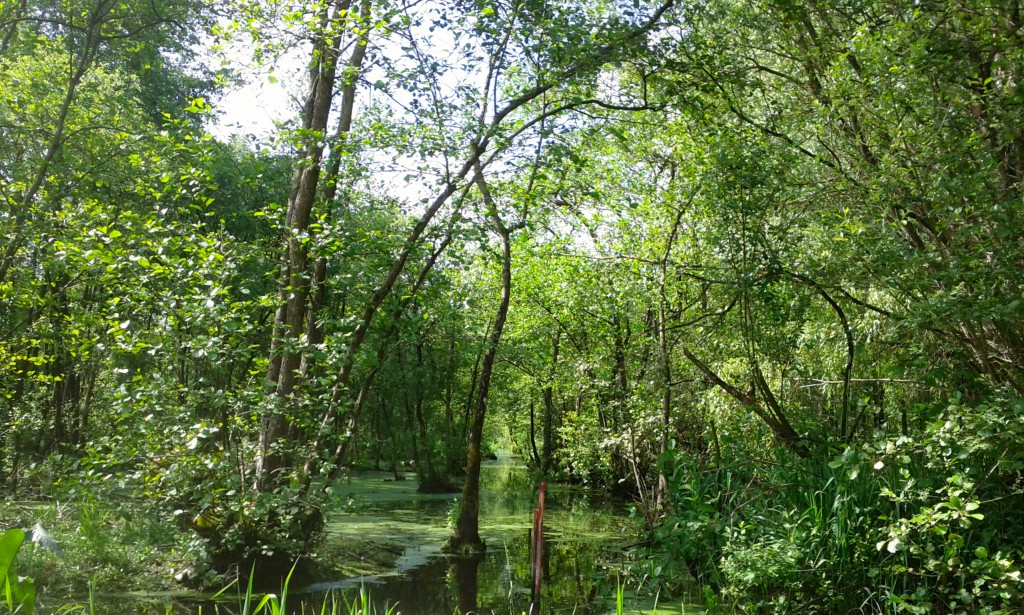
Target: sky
[(269, 94), (262, 98)]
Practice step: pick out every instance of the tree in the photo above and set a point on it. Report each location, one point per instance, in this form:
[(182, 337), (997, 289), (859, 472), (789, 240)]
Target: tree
[(465, 536), (80, 158)]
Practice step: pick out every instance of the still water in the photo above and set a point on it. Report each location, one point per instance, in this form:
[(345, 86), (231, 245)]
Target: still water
[(588, 542)]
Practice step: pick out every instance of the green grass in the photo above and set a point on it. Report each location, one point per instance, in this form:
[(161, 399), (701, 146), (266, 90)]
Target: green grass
[(271, 604)]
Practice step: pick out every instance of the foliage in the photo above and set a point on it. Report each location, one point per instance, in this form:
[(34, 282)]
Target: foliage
[(19, 594), (895, 525), (748, 263)]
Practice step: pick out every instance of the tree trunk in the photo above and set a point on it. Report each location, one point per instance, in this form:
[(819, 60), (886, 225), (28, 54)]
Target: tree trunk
[(666, 407), (292, 313), (548, 446), (465, 537), (533, 435)]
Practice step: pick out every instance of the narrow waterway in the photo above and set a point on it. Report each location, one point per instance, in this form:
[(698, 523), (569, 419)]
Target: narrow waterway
[(589, 542), (588, 539)]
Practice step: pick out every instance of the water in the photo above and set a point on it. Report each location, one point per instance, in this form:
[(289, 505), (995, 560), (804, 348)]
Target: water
[(586, 539), (589, 540)]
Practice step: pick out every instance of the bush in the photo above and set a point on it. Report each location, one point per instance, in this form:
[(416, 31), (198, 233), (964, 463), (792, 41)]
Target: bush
[(916, 525)]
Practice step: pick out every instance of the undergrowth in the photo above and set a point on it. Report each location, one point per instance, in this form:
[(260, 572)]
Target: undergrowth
[(899, 524)]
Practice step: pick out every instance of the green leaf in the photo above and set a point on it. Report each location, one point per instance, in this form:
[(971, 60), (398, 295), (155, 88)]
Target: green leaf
[(10, 542), (24, 595), (21, 594)]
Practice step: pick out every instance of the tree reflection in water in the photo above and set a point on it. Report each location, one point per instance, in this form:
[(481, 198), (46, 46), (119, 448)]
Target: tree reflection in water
[(466, 572)]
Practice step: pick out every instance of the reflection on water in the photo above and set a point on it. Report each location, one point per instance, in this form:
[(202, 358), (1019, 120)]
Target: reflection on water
[(584, 540), (585, 537)]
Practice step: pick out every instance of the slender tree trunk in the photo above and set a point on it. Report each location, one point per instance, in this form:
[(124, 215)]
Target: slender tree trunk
[(410, 422), (666, 407), (473, 378), (665, 361), (316, 333), (290, 324), (449, 386), (548, 446), (465, 537), (533, 436)]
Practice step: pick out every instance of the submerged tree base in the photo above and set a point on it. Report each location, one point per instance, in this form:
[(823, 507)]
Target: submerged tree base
[(269, 547), (464, 548)]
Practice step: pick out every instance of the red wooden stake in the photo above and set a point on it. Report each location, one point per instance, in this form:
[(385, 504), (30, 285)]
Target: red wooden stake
[(538, 548)]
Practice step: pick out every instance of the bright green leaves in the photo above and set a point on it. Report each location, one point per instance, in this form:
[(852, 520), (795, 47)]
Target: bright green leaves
[(10, 542), (19, 594)]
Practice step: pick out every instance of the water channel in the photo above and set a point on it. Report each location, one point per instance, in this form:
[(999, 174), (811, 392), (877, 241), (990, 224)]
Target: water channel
[(588, 543), (585, 536)]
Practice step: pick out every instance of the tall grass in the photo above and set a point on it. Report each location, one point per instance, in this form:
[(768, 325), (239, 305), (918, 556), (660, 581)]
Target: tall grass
[(333, 604)]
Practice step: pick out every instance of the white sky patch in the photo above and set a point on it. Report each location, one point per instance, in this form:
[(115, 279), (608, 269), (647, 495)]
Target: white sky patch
[(268, 94), (272, 93)]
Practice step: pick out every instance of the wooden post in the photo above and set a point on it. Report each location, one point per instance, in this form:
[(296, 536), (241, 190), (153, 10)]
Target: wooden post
[(538, 549)]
